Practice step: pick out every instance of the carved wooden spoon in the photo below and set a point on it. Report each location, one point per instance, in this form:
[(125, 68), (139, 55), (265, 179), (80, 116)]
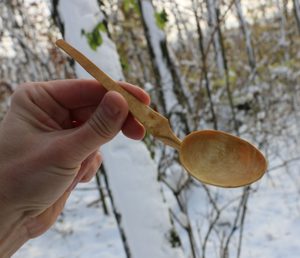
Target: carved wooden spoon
[(213, 157)]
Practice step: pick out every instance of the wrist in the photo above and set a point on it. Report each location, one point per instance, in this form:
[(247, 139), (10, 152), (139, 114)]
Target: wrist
[(13, 232), (13, 239)]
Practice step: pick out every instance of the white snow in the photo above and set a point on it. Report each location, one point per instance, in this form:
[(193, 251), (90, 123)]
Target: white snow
[(273, 223)]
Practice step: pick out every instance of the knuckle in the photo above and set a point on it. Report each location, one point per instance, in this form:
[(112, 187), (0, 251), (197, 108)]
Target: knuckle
[(101, 126), (20, 91), (25, 90)]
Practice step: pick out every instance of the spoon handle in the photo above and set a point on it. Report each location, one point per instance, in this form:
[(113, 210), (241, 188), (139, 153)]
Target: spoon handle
[(155, 123)]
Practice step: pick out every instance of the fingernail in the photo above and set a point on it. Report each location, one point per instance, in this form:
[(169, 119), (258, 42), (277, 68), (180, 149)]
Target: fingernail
[(111, 106)]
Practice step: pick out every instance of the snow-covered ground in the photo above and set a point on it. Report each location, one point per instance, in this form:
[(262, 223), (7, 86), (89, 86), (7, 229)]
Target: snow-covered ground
[(83, 230)]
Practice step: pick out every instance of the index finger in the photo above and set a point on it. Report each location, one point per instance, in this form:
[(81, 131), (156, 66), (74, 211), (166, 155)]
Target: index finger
[(79, 93)]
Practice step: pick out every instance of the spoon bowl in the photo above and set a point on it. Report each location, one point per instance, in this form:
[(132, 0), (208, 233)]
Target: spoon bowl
[(220, 159), (213, 157)]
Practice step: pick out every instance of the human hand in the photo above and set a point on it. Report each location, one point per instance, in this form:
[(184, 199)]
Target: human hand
[(49, 141)]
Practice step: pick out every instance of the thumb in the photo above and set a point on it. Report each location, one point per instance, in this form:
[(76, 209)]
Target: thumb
[(103, 125)]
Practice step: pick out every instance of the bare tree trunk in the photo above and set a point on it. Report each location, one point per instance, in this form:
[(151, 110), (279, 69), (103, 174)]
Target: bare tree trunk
[(247, 35), (167, 75), (212, 6), (179, 22), (226, 71), (116, 213), (283, 40), (135, 56), (204, 66), (238, 223), (188, 33), (30, 52), (297, 13), (155, 52)]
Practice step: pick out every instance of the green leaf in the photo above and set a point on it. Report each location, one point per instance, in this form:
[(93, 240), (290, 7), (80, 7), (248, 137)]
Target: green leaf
[(94, 38), (124, 64), (161, 19), (130, 5), (101, 27)]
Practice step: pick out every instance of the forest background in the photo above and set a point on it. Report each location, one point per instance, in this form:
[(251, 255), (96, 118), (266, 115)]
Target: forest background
[(231, 65)]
